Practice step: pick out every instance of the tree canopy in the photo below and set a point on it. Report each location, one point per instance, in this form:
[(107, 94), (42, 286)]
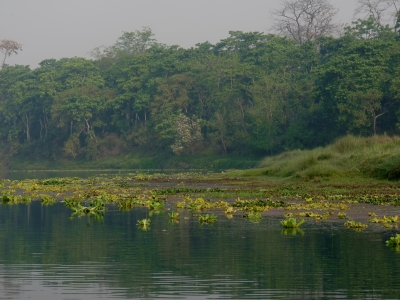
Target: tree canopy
[(250, 93)]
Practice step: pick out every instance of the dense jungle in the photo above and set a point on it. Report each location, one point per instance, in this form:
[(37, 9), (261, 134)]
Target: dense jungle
[(250, 95)]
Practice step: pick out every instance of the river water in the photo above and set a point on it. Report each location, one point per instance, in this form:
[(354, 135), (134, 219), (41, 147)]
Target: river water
[(46, 255)]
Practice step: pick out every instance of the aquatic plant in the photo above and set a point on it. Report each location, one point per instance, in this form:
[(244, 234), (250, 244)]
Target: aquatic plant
[(318, 205), (47, 200), (355, 225), (313, 215), (229, 210), (15, 199), (253, 216), (261, 205), (71, 202), (390, 219), (291, 223), (94, 207), (144, 224), (384, 219), (394, 241), (342, 215), (199, 204), (207, 218), (155, 204), (173, 215)]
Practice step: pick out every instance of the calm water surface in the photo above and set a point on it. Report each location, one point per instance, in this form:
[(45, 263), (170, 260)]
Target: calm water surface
[(45, 255), (37, 174)]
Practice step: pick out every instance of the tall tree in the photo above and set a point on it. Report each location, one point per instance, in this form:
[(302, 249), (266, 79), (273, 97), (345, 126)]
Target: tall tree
[(354, 82), (9, 47), (305, 20), (129, 44)]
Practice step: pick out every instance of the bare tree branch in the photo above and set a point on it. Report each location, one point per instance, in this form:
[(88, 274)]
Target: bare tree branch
[(382, 11), (305, 20)]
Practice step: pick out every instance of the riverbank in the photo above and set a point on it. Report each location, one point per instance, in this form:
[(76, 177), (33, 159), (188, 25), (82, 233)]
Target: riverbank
[(376, 157), (355, 158)]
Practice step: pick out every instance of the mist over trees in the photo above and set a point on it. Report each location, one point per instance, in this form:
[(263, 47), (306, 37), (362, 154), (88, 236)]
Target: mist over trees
[(251, 93)]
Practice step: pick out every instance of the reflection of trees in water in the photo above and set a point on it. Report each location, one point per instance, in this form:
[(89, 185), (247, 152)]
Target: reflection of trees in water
[(234, 256), (9, 287)]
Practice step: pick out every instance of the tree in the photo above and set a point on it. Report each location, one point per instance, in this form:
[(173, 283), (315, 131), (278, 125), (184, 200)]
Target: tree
[(379, 10), (370, 29), (354, 81), (129, 44), (188, 134), (305, 20), (8, 47)]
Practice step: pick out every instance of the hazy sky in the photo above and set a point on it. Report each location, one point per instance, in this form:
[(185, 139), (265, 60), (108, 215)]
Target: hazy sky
[(68, 28)]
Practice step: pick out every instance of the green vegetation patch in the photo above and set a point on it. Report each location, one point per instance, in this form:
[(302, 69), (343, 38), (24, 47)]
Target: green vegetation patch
[(371, 157)]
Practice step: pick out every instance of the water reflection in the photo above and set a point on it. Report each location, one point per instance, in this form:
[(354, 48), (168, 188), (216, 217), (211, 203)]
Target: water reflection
[(45, 255)]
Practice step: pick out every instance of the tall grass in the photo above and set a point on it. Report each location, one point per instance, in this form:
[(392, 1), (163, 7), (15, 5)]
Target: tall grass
[(376, 157)]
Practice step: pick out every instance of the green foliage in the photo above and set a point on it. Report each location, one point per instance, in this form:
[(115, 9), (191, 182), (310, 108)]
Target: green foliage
[(291, 223), (173, 215), (72, 202), (95, 210), (350, 156), (47, 200), (207, 219), (355, 225), (10, 199), (251, 94), (385, 221), (144, 224), (394, 242), (264, 204), (253, 216)]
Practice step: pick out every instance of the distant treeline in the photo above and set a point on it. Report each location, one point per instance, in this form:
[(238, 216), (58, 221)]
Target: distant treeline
[(251, 93)]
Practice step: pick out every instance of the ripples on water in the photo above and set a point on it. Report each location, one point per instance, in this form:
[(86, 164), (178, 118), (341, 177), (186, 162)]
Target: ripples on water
[(45, 255)]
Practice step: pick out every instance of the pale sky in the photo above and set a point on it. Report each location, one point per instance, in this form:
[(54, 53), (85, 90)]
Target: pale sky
[(67, 28)]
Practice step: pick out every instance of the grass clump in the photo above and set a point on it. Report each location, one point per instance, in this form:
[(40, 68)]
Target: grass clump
[(374, 157)]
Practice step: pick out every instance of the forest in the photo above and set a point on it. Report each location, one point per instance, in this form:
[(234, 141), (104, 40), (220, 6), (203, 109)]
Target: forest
[(251, 93)]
